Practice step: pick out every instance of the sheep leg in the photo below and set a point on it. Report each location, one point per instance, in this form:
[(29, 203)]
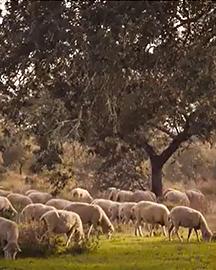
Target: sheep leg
[(197, 235), (48, 232), (140, 231), (136, 229), (164, 231), (176, 231), (151, 230), (14, 255), (189, 234), (70, 236), (170, 231), (89, 231), (43, 235)]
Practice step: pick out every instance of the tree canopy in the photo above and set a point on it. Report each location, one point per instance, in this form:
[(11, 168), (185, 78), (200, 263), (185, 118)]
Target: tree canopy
[(139, 72)]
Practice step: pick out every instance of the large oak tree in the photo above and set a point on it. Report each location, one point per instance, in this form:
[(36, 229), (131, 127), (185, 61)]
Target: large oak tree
[(141, 72)]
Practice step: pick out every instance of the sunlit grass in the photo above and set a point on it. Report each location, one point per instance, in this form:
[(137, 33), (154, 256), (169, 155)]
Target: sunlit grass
[(128, 252)]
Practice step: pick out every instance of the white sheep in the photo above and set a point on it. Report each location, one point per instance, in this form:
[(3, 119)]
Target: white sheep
[(105, 205), (58, 203), (143, 195), (108, 192), (174, 198), (197, 200), (93, 215), (183, 216), (168, 190), (150, 213), (124, 196), (19, 201), (63, 222), (114, 211), (29, 191), (9, 235), (40, 197), (113, 194), (125, 212), (81, 195), (33, 212), (6, 206)]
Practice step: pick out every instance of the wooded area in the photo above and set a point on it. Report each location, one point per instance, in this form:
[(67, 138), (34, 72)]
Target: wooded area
[(127, 81)]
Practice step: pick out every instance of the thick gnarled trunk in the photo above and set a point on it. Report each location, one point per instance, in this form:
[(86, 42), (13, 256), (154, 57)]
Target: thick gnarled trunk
[(156, 178)]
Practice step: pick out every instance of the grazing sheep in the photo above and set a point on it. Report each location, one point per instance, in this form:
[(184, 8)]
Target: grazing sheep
[(9, 234), (105, 205), (33, 212), (108, 192), (58, 203), (30, 191), (197, 200), (114, 211), (81, 195), (174, 198), (6, 206), (183, 216), (63, 222), (113, 194), (167, 190), (19, 201), (150, 213), (93, 215), (125, 212), (141, 195), (40, 197), (106, 225), (124, 196)]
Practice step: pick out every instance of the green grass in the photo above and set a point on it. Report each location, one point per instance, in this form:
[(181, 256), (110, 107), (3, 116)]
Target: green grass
[(128, 252)]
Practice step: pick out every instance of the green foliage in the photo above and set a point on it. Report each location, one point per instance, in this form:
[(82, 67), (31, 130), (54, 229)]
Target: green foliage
[(33, 246), (141, 72)]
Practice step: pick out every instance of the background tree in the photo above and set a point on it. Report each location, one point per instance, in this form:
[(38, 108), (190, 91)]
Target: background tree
[(142, 73)]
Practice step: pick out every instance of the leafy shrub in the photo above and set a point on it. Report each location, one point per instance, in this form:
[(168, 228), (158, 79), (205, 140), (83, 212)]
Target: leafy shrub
[(33, 246)]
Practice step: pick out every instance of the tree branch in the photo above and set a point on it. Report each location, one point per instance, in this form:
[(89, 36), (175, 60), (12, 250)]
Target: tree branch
[(177, 141), (164, 130), (188, 20), (141, 142), (148, 148)]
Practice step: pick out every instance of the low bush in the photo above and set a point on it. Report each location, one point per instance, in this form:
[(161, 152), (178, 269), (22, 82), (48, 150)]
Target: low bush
[(33, 246)]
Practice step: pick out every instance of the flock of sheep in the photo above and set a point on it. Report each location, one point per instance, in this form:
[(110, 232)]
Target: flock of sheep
[(68, 217)]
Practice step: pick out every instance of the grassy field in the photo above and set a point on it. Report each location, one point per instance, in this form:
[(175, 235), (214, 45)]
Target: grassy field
[(128, 252)]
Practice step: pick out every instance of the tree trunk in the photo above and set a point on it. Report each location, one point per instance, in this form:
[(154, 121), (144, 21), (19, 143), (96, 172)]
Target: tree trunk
[(156, 178)]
